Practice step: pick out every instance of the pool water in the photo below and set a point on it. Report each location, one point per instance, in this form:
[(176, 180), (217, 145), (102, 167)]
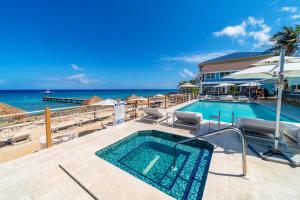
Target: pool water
[(148, 155), (250, 110)]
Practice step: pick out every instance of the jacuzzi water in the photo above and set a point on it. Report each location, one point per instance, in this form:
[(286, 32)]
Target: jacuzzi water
[(148, 155), (250, 110)]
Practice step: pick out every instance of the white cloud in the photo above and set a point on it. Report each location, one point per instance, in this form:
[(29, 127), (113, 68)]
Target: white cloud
[(196, 58), (81, 78), (76, 67), (232, 31), (278, 21), (294, 17), (187, 73), (290, 9), (253, 21), (253, 28), (182, 74)]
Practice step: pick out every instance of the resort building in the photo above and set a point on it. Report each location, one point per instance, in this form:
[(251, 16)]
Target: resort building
[(212, 72)]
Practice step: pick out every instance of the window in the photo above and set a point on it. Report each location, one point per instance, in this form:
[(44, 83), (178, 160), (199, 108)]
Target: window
[(222, 74), (210, 75)]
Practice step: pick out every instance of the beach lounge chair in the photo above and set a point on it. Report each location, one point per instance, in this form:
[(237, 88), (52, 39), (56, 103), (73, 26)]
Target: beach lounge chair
[(207, 97), (292, 131), (257, 128), (18, 137), (187, 119), (243, 98), (153, 115), (226, 98)]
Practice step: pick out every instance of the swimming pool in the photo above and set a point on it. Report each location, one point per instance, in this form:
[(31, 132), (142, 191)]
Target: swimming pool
[(148, 155), (251, 110)]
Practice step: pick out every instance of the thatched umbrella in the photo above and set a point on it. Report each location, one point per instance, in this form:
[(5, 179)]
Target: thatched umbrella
[(92, 100), (6, 109), (134, 98)]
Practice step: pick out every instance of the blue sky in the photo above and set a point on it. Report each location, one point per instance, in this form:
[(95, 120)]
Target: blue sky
[(121, 44)]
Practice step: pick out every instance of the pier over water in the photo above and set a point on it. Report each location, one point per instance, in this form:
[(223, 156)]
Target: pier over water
[(64, 100)]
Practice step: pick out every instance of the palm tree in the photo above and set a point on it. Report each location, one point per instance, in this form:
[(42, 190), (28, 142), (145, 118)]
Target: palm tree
[(288, 38)]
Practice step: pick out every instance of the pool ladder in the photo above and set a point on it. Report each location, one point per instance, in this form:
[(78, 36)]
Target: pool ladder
[(223, 130)]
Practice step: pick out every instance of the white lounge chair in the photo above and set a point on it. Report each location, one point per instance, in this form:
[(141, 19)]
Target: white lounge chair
[(187, 119), (153, 115), (243, 98), (207, 97), (257, 128), (18, 137), (226, 98), (292, 130)]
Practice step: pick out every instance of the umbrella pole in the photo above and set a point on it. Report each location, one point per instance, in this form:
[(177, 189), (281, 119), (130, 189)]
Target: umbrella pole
[(279, 99), (272, 154), (249, 91)]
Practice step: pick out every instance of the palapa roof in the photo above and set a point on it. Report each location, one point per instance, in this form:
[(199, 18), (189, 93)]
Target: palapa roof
[(92, 100), (6, 109)]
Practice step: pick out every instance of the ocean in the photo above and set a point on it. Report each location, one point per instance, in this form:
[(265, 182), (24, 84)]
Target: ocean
[(31, 100)]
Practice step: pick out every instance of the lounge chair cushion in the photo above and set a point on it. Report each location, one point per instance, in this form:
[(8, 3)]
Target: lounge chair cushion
[(256, 125), (243, 98), (226, 97), (19, 137), (188, 117), (292, 130), (153, 112)]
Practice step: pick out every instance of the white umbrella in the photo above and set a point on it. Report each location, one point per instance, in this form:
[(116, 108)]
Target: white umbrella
[(188, 85), (291, 70), (223, 85), (270, 71), (106, 102), (250, 84), (275, 60), (159, 96)]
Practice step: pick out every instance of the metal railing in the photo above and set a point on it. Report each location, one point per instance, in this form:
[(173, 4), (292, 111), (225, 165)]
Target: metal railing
[(224, 130)]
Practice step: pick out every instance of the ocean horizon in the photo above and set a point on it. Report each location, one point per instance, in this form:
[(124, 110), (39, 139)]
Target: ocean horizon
[(31, 100)]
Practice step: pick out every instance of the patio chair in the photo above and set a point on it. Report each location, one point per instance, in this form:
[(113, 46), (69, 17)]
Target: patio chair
[(153, 115), (226, 98), (243, 98), (187, 119)]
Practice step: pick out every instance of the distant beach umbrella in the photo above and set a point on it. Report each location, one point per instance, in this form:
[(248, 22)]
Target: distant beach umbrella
[(159, 96), (133, 98), (188, 85), (6, 109)]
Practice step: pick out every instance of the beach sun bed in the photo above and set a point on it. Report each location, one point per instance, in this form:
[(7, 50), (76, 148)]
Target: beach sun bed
[(226, 98), (153, 115), (264, 129), (243, 98), (18, 137), (187, 119), (256, 128), (207, 97)]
